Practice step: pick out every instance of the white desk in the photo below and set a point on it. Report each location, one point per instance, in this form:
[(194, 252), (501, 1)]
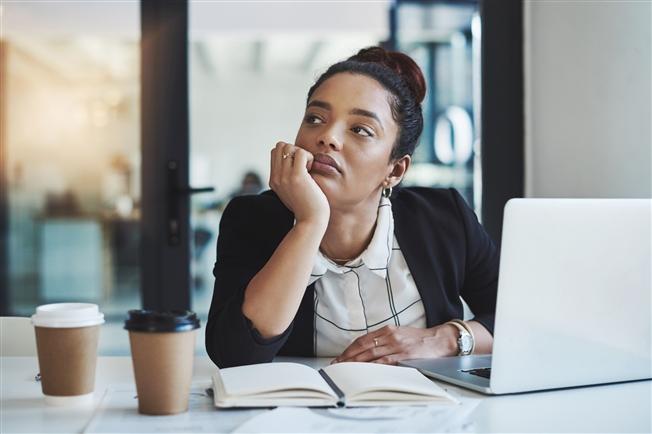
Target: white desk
[(612, 408)]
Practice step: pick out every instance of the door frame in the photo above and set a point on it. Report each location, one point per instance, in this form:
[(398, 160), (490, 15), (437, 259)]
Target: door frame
[(502, 113), (165, 219)]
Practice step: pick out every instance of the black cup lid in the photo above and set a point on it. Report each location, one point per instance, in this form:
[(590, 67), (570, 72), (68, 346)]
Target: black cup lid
[(143, 320)]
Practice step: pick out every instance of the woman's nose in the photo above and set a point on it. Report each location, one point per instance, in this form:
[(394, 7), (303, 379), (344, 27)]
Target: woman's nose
[(331, 140)]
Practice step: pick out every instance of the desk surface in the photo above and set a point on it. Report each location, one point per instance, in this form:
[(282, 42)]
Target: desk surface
[(610, 408)]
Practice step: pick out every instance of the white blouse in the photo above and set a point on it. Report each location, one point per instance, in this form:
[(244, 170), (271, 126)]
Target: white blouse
[(367, 293)]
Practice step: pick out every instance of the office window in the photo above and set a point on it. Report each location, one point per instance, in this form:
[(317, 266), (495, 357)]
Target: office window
[(444, 38)]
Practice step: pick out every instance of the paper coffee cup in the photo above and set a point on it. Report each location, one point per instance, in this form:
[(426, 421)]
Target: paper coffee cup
[(162, 351), (66, 341)]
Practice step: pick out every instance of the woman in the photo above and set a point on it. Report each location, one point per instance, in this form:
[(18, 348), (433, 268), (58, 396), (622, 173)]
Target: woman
[(335, 260)]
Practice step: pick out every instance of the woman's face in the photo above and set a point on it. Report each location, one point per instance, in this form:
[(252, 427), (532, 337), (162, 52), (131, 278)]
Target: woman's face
[(348, 119)]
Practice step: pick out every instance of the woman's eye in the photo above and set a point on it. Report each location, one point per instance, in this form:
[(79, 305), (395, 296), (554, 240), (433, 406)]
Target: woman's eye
[(312, 119), (362, 131)]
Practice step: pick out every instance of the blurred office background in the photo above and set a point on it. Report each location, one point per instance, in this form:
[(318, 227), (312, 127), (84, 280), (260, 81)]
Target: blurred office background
[(70, 150)]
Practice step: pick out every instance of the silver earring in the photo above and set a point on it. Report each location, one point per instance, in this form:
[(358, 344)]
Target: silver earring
[(387, 191)]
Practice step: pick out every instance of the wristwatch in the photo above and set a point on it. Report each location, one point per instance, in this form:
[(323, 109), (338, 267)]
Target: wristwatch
[(465, 341)]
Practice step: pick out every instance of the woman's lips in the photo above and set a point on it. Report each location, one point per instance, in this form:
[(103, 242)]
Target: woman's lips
[(325, 164), (323, 169)]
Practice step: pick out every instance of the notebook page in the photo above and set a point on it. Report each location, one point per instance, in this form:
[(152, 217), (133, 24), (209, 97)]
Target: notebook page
[(270, 377), (355, 378)]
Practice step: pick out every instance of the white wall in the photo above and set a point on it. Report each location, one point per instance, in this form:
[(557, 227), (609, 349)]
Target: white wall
[(251, 65), (587, 98), (239, 113)]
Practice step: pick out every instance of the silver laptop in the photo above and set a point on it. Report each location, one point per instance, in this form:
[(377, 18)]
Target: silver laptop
[(573, 305)]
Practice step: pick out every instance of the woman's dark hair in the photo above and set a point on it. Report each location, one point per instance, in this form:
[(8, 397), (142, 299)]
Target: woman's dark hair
[(402, 78)]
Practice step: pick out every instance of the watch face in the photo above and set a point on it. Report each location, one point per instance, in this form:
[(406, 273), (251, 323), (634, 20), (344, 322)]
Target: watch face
[(465, 343)]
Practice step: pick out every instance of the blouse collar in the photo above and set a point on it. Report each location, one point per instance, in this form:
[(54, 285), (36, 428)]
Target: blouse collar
[(375, 257)]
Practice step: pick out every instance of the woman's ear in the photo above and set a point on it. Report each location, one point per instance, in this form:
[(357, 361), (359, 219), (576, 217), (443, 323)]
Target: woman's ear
[(399, 169)]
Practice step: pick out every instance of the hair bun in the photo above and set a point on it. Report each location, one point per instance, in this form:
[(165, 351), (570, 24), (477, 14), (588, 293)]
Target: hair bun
[(400, 63)]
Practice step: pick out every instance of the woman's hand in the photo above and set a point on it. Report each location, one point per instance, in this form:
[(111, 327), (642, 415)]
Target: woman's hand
[(290, 179), (390, 344)]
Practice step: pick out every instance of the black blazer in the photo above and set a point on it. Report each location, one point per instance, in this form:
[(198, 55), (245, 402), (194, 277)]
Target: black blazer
[(447, 250)]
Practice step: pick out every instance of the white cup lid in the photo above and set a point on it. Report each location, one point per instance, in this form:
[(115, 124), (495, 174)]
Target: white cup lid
[(67, 315)]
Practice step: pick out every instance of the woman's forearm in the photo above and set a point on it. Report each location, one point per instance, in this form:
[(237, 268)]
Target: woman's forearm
[(483, 339), (273, 296)]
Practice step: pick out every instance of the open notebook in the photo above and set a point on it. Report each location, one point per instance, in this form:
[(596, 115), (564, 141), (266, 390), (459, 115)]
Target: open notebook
[(342, 384)]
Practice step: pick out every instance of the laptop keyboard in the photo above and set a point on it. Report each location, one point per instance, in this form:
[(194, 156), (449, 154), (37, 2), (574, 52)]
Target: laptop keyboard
[(480, 372)]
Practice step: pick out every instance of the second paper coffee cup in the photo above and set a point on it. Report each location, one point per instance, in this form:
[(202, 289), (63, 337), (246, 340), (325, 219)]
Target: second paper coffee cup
[(162, 351)]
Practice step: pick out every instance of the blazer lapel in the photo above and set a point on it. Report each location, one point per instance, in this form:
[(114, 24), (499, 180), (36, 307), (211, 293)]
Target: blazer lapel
[(418, 251)]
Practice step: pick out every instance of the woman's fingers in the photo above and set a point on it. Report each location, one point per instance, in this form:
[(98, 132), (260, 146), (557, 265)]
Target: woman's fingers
[(294, 186), (276, 165), (302, 161), (374, 354), (272, 168), (375, 339), (281, 159), (287, 158)]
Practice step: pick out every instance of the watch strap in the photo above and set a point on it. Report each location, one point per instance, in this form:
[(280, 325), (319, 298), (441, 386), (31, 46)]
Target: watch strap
[(463, 332), (466, 327)]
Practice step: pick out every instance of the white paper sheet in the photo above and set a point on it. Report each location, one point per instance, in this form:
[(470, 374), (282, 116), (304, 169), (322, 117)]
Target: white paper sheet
[(399, 419)]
